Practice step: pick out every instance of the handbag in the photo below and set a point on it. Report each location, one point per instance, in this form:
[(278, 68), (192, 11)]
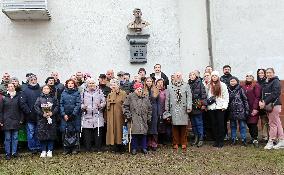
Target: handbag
[(211, 100), (270, 106), (70, 137)]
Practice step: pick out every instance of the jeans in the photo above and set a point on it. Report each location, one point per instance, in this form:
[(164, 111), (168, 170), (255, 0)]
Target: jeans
[(243, 129), (11, 141), (197, 125), (46, 145), (33, 142), (139, 140)]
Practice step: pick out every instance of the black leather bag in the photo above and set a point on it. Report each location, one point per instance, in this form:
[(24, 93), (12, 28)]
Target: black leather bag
[(211, 100)]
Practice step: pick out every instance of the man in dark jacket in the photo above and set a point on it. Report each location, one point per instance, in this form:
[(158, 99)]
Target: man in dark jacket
[(227, 75), (25, 83), (103, 84), (28, 98), (226, 79), (4, 84), (159, 75), (126, 85), (59, 86)]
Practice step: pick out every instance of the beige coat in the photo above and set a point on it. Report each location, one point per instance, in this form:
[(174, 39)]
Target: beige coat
[(115, 118)]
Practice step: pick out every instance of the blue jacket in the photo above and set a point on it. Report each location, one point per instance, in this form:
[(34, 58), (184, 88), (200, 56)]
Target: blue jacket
[(70, 104), (29, 96)]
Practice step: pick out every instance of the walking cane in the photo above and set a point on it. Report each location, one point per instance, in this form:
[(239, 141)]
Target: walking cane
[(130, 136), (98, 123)]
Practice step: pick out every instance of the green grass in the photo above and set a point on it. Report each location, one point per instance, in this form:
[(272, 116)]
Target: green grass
[(205, 160)]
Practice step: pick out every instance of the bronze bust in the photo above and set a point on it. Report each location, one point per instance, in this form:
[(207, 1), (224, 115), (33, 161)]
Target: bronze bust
[(138, 24)]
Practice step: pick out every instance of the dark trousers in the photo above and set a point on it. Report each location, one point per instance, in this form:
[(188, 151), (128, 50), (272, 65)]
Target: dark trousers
[(253, 130), (208, 133), (139, 140), (226, 119), (180, 135), (217, 120), (90, 135)]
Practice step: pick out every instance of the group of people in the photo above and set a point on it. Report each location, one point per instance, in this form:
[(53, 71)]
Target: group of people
[(142, 113)]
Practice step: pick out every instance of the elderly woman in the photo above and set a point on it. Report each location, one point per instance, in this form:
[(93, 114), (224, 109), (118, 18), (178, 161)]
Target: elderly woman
[(271, 97), (70, 110), (138, 110), (199, 104), (178, 106), (93, 102), (10, 119), (115, 118)]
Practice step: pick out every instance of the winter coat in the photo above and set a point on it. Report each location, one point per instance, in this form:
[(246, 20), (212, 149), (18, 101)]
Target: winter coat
[(126, 86), (222, 101), (95, 102), (178, 101), (163, 76), (10, 112), (198, 95), (3, 88), (153, 125), (29, 96), (162, 124), (226, 79), (238, 103), (60, 87), (70, 105), (139, 111), (115, 117), (106, 90), (46, 131), (253, 93), (271, 92)]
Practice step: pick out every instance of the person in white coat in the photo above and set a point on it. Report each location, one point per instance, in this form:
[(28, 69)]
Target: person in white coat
[(217, 101), (93, 102)]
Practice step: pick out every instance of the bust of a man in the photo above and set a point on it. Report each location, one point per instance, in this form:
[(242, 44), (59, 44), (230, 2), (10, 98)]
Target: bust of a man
[(138, 24)]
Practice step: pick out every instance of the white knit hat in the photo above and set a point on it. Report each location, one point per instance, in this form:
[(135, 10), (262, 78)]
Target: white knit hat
[(249, 73), (215, 73)]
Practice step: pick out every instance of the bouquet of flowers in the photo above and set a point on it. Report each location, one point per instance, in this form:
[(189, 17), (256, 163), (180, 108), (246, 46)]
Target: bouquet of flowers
[(197, 104), (46, 108)]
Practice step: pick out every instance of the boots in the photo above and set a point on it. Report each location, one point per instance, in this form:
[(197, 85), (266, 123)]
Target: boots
[(200, 143), (196, 139)]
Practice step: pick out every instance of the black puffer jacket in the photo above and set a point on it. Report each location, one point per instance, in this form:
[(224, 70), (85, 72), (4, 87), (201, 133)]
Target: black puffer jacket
[(271, 91), (238, 103), (46, 131), (226, 79), (198, 94), (10, 112)]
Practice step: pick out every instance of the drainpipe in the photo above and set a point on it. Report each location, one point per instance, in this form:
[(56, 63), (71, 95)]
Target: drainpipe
[(209, 33)]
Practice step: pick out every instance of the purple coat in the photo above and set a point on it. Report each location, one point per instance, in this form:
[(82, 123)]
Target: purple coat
[(253, 93)]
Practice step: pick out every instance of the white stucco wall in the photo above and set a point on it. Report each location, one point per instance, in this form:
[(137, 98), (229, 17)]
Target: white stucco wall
[(89, 36), (248, 34)]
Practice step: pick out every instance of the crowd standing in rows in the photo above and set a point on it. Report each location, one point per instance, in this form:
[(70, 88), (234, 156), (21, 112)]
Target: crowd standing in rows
[(142, 113)]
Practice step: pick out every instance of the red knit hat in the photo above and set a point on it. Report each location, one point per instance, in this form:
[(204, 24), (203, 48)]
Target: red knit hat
[(137, 85)]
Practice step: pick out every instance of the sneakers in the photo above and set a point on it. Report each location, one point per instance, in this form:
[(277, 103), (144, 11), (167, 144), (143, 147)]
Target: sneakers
[(255, 143), (279, 145), (49, 154), (43, 154), (269, 145)]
